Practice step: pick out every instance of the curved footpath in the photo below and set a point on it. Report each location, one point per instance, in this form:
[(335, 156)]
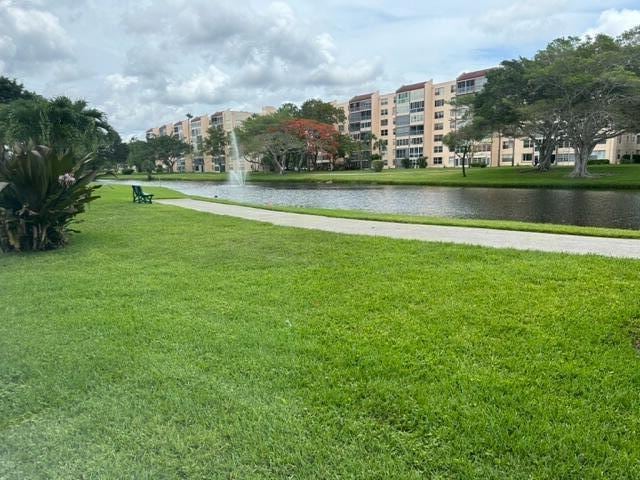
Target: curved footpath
[(484, 237)]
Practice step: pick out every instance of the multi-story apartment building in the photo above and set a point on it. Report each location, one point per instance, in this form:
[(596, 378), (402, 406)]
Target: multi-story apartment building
[(228, 120), (193, 131), (402, 127), (364, 125)]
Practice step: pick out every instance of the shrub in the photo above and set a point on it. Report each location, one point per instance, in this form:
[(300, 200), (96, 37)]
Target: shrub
[(478, 164), (422, 162), (45, 190), (377, 165), (127, 171), (598, 161), (405, 162), (635, 158)]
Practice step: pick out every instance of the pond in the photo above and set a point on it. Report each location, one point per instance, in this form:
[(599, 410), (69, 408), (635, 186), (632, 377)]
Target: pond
[(616, 209)]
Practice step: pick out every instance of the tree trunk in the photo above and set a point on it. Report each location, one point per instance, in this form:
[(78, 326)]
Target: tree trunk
[(582, 154), (547, 148), (464, 172)]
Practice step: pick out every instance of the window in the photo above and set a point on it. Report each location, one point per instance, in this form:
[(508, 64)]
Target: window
[(402, 153), (416, 106), (365, 124), (438, 126), (437, 149), (506, 144), (438, 91), (527, 143), (384, 111), (439, 103), (384, 122), (453, 89), (402, 141), (416, 140), (416, 130), (415, 152), (384, 101), (438, 115), (384, 133), (437, 138), (403, 97), (527, 157), (416, 118), (437, 160), (402, 131)]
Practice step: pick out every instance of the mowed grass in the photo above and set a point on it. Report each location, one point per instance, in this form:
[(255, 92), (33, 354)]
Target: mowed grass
[(604, 177), (166, 343)]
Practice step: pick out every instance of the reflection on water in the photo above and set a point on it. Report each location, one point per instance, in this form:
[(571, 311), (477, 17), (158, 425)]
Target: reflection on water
[(619, 209)]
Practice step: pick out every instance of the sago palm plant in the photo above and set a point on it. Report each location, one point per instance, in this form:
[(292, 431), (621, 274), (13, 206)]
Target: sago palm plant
[(43, 192)]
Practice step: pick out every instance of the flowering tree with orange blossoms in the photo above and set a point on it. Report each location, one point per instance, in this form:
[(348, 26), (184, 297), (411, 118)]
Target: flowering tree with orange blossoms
[(317, 137)]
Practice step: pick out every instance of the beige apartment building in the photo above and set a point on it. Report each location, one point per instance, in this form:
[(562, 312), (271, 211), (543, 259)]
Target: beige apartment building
[(412, 122), (194, 131), (415, 118)]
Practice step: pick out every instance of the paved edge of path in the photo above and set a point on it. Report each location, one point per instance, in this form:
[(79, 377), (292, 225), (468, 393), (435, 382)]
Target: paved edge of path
[(484, 237)]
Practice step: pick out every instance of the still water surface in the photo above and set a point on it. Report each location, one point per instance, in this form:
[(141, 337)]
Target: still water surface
[(618, 209)]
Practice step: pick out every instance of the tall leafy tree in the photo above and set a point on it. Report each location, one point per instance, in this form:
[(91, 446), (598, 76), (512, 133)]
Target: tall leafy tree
[(167, 149), (465, 140), (597, 89), (265, 140), (216, 142), (317, 137), (11, 90), (518, 101), (140, 155), (323, 112)]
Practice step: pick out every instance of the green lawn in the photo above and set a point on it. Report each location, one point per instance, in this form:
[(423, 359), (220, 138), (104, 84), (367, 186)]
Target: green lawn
[(167, 343), (605, 177)]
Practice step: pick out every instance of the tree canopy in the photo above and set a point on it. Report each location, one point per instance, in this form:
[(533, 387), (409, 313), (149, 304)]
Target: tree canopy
[(579, 90)]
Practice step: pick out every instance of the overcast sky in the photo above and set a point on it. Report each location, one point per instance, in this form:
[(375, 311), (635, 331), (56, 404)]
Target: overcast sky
[(148, 62)]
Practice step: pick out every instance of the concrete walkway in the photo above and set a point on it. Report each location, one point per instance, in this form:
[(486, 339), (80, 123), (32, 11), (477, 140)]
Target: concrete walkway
[(484, 237)]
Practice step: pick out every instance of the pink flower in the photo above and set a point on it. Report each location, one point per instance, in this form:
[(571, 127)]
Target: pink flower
[(66, 180)]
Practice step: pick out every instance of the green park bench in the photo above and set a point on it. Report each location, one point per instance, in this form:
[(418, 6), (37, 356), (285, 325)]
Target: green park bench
[(139, 196)]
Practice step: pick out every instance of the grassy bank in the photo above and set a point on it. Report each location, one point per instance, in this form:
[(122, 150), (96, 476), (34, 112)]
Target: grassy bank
[(454, 222), (605, 177), (166, 343)]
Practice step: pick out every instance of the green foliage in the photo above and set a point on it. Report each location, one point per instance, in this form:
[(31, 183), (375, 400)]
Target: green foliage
[(422, 162), (627, 158), (377, 165), (45, 191), (11, 90), (478, 164), (59, 123), (216, 142), (127, 171), (405, 162), (323, 112), (598, 161), (166, 149)]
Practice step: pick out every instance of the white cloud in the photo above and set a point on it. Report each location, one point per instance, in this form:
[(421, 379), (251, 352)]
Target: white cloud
[(30, 36), (204, 87), (614, 22), (121, 82)]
